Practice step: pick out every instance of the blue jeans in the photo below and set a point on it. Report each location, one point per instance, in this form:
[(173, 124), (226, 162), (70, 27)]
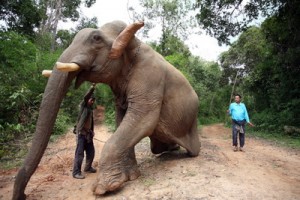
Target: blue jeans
[(235, 132), (84, 143)]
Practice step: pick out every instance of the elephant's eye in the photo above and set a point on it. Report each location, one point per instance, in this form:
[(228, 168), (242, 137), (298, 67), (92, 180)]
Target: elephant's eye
[(97, 38)]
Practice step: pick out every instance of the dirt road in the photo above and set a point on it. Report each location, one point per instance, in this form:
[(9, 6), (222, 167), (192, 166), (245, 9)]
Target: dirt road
[(263, 171)]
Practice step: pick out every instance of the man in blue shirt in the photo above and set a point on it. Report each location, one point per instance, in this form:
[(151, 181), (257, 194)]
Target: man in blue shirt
[(239, 115)]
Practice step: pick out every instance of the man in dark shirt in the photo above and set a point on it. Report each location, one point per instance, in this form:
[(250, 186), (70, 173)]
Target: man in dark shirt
[(85, 134)]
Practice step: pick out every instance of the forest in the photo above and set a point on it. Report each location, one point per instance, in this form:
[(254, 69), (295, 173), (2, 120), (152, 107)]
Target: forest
[(262, 63)]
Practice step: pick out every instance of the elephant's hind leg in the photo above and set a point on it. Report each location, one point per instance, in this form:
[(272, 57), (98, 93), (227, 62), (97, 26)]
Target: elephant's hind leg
[(193, 140), (158, 147), (190, 141)]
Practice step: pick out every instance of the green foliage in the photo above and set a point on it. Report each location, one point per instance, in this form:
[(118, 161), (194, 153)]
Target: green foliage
[(270, 75), (43, 41), (18, 89), (224, 19), (105, 98), (170, 44), (244, 55), (17, 61), (110, 119), (20, 16), (62, 123)]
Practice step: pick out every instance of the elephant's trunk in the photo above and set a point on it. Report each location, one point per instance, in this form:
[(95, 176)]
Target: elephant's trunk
[(55, 91)]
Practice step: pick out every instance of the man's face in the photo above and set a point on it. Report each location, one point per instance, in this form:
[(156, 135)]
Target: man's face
[(91, 102), (237, 99)]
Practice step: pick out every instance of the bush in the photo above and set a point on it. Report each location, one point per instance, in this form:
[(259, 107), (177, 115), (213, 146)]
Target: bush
[(110, 119), (61, 124), (266, 120)]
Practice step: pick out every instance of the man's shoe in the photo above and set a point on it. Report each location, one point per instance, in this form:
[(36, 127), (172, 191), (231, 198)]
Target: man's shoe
[(90, 170), (79, 176), (241, 149), (235, 148)]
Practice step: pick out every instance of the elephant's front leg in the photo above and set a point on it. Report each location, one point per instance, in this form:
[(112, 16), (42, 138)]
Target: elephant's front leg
[(118, 163)]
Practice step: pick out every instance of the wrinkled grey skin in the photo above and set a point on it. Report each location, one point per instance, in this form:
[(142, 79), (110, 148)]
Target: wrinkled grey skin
[(152, 99)]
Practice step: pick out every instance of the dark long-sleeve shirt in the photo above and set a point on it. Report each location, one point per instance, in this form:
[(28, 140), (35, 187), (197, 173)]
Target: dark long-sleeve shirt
[(85, 116)]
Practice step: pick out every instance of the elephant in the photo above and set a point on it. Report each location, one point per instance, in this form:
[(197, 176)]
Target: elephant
[(152, 99)]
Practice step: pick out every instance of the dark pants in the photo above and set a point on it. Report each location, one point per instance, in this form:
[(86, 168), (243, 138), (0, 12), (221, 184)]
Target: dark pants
[(84, 142), (236, 133)]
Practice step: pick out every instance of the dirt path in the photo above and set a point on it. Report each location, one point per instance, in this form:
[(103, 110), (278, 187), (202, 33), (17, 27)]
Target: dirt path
[(263, 171)]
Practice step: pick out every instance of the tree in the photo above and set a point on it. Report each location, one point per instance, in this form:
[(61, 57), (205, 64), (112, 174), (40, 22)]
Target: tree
[(20, 16), (18, 97), (173, 16), (171, 45), (65, 37), (224, 19), (243, 55), (270, 58), (282, 33), (57, 10)]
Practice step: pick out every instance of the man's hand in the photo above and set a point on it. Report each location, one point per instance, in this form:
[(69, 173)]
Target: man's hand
[(251, 124)]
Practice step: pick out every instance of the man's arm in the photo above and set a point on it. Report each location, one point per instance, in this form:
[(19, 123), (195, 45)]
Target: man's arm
[(88, 95), (229, 110), (247, 116)]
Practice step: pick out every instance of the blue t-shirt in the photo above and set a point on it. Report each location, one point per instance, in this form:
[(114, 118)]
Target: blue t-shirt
[(238, 111)]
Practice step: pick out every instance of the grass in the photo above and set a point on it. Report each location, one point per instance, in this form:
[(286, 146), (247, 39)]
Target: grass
[(13, 160), (191, 173), (16, 157), (10, 164), (277, 138), (148, 182)]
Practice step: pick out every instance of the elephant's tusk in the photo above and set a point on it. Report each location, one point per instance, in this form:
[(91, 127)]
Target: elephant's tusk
[(67, 67), (46, 73)]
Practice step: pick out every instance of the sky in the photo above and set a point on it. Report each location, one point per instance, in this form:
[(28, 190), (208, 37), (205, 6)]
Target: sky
[(108, 10)]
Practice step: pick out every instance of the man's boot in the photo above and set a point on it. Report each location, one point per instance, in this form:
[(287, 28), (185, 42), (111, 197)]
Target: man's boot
[(79, 176), (90, 170)]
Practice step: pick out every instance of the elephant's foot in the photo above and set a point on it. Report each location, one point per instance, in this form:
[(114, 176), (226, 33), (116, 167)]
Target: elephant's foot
[(115, 170), (112, 179), (102, 186)]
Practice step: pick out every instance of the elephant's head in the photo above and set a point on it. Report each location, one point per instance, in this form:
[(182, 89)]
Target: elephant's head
[(95, 55)]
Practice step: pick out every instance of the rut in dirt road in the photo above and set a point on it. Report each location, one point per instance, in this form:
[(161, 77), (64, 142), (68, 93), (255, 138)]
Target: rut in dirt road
[(263, 171)]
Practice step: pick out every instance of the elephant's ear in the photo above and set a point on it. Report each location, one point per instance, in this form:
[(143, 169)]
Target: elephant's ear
[(123, 39)]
